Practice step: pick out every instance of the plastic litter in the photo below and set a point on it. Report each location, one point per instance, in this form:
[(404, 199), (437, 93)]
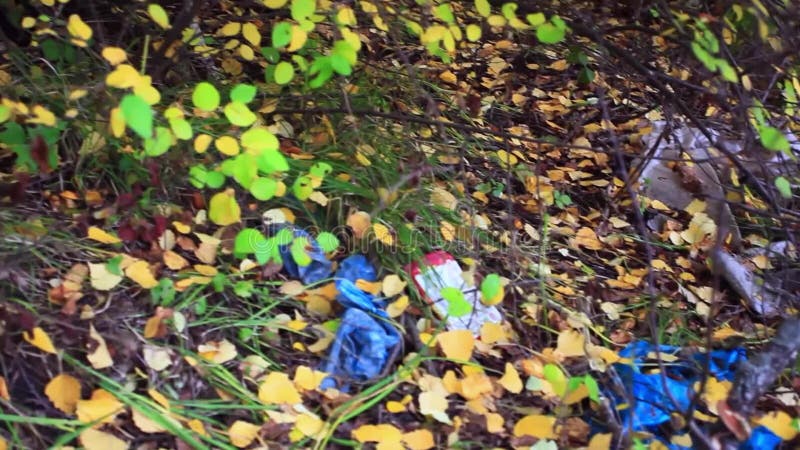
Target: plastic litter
[(439, 270), (652, 406), (320, 267), (365, 343)]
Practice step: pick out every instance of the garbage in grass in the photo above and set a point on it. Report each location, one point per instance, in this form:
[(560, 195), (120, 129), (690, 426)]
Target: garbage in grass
[(365, 345), (652, 396), (438, 271), (318, 267)]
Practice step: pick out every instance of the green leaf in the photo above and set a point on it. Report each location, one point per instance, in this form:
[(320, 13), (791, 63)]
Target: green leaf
[(272, 161), (264, 251), (328, 242), (727, 71), (215, 179), (457, 305), (247, 241), (773, 139), (490, 286), (271, 54), (592, 387), (509, 10), (301, 9), (137, 114), (706, 58), (244, 169), (159, 16), (5, 113), (547, 33), (536, 19), (340, 65), (159, 144), (181, 128), (205, 96), (283, 237), (298, 252), (784, 187), (284, 72), (244, 93), (320, 169), (483, 7), (444, 13), (281, 34), (239, 114), (198, 175), (321, 67), (113, 265), (303, 187), (263, 188), (259, 139), (553, 374)]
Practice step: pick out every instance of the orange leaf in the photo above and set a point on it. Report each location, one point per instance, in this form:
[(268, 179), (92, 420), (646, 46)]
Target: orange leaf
[(65, 392), (536, 425)]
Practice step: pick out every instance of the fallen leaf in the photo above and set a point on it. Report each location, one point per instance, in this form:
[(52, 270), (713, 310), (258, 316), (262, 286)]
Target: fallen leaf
[(4, 390), (397, 307), (217, 351), (277, 388), (434, 404), (223, 208), (779, 423), (102, 407), (383, 433), (360, 222), (309, 424), (571, 343), (536, 425), (586, 237), (157, 358), (92, 439), (392, 285), (174, 261), (96, 234), (511, 380), (457, 344), (307, 378), (383, 234), (243, 433), (64, 391), (146, 424), (99, 358), (141, 274), (419, 440), (101, 278), (443, 198), (39, 339), (155, 326)]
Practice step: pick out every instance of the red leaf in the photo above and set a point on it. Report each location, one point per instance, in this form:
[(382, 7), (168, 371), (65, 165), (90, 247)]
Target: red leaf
[(39, 153)]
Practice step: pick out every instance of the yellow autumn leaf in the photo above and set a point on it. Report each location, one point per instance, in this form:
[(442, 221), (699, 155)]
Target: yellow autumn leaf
[(227, 145), (571, 343), (197, 426), (201, 143), (223, 208), (114, 55), (419, 440), (308, 424), (251, 34), (97, 234), (586, 237), (274, 4), (397, 307), (779, 423), (360, 222), (92, 439), (64, 391), (77, 28), (600, 441), (377, 433), (392, 285), (123, 77), (511, 380), (174, 261), (277, 388), (307, 378), (39, 339), (116, 122), (42, 115), (456, 344), (101, 278), (159, 16), (536, 425), (434, 404), (230, 29), (243, 433), (382, 233), (4, 394), (140, 272), (102, 406), (217, 351), (99, 358), (296, 42)]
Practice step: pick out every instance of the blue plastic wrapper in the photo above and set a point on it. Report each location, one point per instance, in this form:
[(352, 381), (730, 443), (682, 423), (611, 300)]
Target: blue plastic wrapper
[(652, 406), (364, 341), (320, 267)]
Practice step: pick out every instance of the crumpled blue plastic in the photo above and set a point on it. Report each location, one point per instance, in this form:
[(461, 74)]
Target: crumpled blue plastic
[(365, 340), (652, 406), (320, 267)]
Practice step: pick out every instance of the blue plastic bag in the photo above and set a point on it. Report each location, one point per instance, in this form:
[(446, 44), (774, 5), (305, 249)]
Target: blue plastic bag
[(320, 267), (652, 406), (364, 343)]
